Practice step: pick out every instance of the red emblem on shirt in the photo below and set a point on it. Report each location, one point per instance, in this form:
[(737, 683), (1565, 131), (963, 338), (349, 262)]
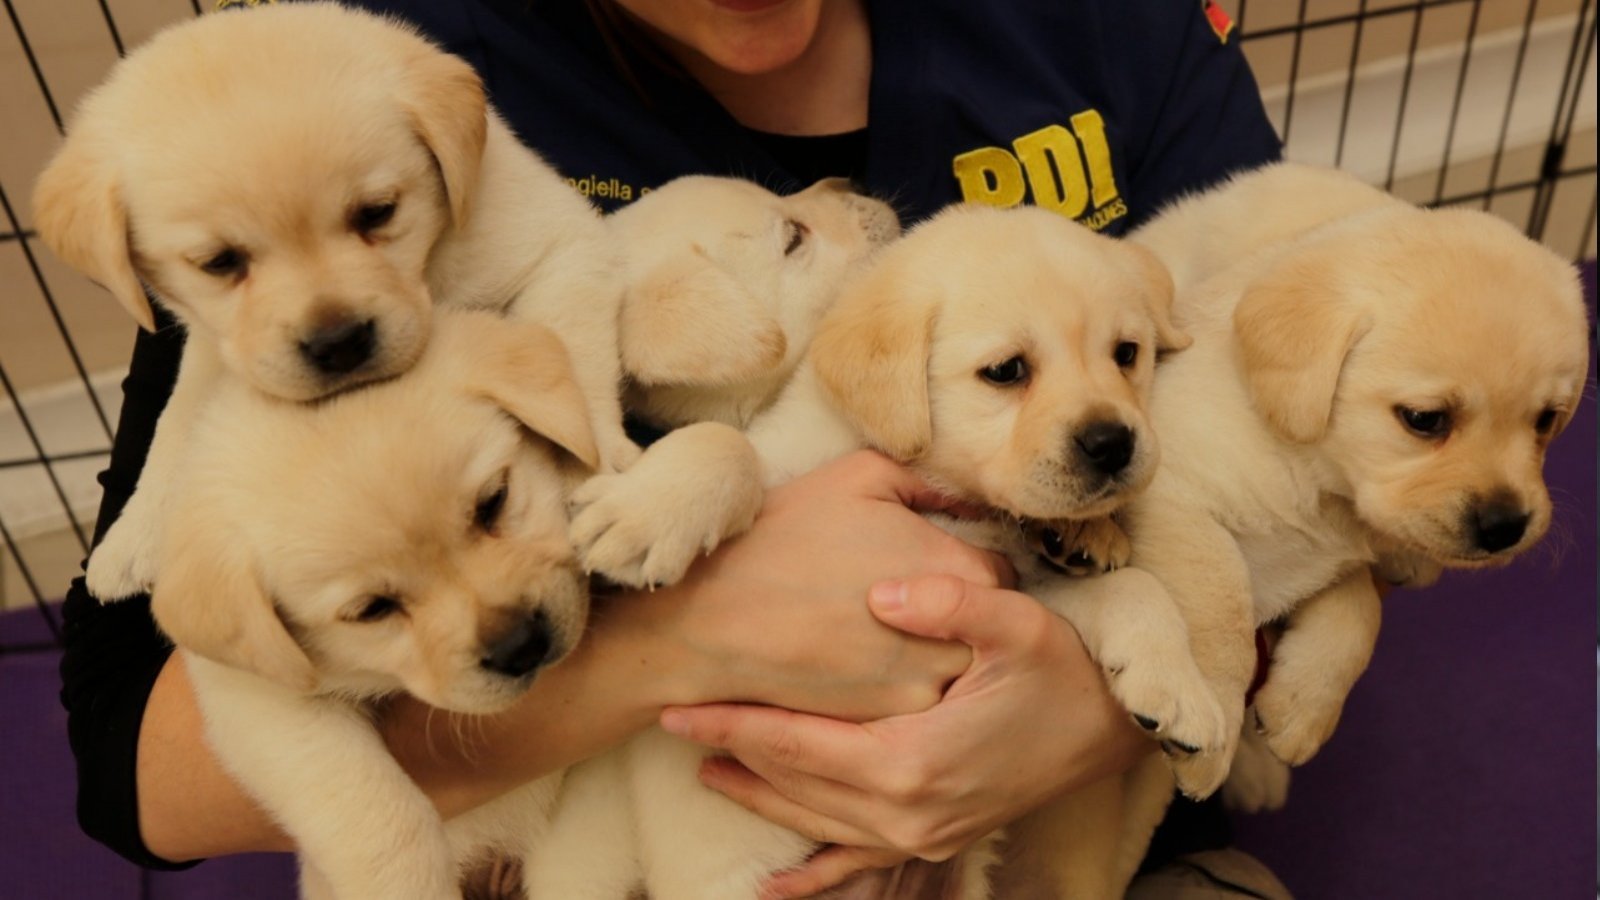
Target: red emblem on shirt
[(1218, 19)]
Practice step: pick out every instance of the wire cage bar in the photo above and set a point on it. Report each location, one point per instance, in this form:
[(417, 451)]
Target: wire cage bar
[(1445, 102)]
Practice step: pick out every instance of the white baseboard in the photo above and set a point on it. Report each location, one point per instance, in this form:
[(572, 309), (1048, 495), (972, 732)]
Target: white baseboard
[(65, 422)]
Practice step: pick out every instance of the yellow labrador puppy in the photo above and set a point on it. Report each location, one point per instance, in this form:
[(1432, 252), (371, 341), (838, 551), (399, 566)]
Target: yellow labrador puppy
[(405, 536), (727, 283), (299, 185), (1205, 233), (1005, 355), (1380, 388)]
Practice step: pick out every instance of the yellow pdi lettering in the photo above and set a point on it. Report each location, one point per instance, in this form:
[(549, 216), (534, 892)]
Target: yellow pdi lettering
[(990, 175), (1055, 169)]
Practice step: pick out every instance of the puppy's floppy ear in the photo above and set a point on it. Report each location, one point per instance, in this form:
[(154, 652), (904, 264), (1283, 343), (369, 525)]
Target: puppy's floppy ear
[(687, 321), (80, 214), (525, 370), (1294, 328), (445, 99), (209, 600), (871, 356), (1157, 294)]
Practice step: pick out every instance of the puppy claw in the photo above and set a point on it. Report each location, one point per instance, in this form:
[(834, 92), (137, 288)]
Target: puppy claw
[(1175, 748), (1085, 547), (1147, 723)]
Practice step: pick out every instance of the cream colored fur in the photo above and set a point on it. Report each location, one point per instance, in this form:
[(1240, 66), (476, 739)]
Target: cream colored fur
[(896, 365), (267, 132), (1301, 472), (727, 285), (443, 490)]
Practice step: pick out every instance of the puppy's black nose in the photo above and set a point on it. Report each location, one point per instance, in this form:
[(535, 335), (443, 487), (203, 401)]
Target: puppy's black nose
[(340, 349), (1106, 445), (1498, 525), (521, 650)]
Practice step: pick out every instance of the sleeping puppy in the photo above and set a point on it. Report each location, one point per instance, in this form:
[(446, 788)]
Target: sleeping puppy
[(405, 536), (1005, 356), (1380, 388), (726, 283), (299, 185)]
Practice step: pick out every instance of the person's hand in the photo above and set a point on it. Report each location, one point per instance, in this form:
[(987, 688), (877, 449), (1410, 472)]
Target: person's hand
[(1031, 718), (777, 616)]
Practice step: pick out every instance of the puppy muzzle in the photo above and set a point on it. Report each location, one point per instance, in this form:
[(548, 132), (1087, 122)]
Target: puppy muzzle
[(1495, 526), (340, 348), (522, 649)]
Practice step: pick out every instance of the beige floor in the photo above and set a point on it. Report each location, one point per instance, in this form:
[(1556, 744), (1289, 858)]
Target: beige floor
[(74, 47)]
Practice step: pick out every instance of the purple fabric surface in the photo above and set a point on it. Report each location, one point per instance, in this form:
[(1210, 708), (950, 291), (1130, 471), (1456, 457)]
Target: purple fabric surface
[(1462, 766), (43, 855)]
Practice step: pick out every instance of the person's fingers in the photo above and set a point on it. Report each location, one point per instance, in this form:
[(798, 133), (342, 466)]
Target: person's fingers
[(888, 480), (769, 736), (828, 868), (948, 608), (754, 793)]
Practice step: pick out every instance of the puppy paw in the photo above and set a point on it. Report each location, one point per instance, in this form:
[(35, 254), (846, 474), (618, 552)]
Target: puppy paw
[(1295, 719), (689, 492), (1086, 547), (1175, 706), (1258, 780), (123, 565)]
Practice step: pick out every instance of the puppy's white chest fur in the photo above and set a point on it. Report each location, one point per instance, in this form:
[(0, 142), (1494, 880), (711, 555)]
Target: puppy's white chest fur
[(1279, 500), (1286, 567)]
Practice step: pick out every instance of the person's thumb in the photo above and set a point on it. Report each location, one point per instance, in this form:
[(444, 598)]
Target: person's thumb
[(947, 608)]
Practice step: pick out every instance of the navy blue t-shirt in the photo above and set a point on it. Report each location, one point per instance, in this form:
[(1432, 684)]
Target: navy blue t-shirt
[(1102, 109)]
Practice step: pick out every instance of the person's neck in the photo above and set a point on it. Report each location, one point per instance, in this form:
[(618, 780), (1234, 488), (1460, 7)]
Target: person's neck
[(824, 91)]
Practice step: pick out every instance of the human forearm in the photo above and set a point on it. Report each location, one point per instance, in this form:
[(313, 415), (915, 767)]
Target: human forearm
[(611, 686), (189, 806)]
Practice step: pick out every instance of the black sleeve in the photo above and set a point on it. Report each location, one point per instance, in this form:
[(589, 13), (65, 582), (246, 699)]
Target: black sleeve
[(114, 652), (1205, 115)]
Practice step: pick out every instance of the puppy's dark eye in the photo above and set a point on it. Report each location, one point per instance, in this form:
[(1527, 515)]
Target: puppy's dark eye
[(378, 609), (1126, 354), (796, 232), (1007, 373), (369, 217), (487, 513), (1428, 423), (226, 263)]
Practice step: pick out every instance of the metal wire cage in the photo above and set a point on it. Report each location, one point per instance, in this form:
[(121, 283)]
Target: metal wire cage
[(1488, 103)]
